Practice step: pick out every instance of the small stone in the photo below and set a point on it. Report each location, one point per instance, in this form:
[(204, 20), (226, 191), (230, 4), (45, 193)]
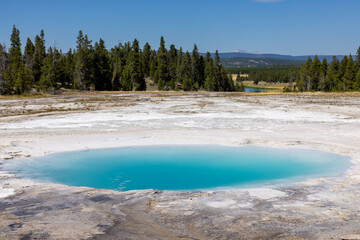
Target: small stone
[(351, 237), (189, 213)]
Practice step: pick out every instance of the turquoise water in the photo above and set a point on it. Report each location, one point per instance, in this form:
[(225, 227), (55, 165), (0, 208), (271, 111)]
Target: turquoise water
[(179, 167)]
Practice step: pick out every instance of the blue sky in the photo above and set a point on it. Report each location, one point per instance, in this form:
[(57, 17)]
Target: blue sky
[(295, 27)]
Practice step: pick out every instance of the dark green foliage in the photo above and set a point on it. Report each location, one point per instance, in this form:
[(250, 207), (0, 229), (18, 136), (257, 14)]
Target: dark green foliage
[(162, 68), (349, 75), (239, 87), (184, 72), (69, 69), (53, 71), (29, 55), (11, 76), (333, 77), (49, 72), (173, 64), (304, 82), (137, 77), (209, 72), (83, 63), (196, 75), (3, 63), (186, 84), (358, 58), (22, 80), (312, 76), (146, 60), (118, 62), (322, 75), (102, 67), (179, 65), (39, 55), (357, 82), (286, 89), (126, 83), (222, 82), (315, 71), (240, 62), (153, 64), (283, 74), (93, 67)]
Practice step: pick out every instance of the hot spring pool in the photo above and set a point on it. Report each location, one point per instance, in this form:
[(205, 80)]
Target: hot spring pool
[(179, 167)]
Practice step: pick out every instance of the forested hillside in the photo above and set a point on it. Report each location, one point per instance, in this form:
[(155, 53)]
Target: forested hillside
[(92, 67), (273, 74), (258, 62)]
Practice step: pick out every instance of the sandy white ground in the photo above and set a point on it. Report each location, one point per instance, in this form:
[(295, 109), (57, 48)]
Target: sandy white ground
[(323, 122)]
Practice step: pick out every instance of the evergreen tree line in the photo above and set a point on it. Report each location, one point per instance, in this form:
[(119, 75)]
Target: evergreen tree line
[(125, 67), (314, 75), (337, 76)]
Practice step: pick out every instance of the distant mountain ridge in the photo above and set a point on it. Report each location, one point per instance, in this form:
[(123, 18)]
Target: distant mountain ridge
[(271, 55), (258, 62), (241, 58)]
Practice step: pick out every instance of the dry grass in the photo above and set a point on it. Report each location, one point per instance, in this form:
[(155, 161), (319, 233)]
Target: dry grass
[(234, 76)]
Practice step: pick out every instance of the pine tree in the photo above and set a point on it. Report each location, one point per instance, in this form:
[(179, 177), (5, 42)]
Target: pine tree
[(323, 72), (179, 67), (22, 82), (69, 69), (349, 75), (39, 55), (126, 83), (331, 78), (137, 78), (83, 68), (185, 72), (118, 58), (357, 82), (201, 71), (122, 68), (343, 65), (162, 68), (102, 68), (173, 62), (61, 68), (146, 60), (304, 83), (14, 63), (3, 63), (195, 66), (227, 82), (153, 65), (29, 54), (52, 72), (358, 58), (315, 74), (218, 85), (209, 71), (239, 87)]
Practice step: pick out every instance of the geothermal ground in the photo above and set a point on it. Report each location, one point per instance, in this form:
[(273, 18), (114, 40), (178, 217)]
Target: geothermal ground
[(322, 208)]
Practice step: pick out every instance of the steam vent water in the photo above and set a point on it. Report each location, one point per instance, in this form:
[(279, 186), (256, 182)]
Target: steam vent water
[(179, 167)]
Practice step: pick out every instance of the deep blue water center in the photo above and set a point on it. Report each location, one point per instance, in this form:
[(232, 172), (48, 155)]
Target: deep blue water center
[(178, 167)]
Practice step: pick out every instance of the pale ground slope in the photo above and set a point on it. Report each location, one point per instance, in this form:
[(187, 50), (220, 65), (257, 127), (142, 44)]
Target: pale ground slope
[(327, 208)]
